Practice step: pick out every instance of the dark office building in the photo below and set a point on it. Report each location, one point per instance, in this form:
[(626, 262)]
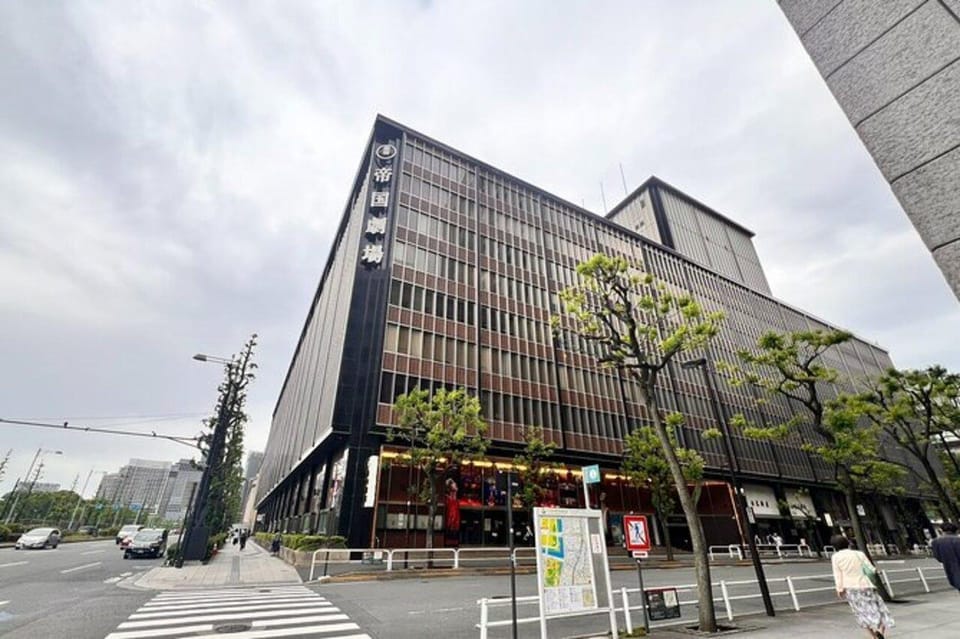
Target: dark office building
[(444, 273)]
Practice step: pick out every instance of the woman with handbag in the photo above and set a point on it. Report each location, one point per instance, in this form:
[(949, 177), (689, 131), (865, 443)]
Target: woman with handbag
[(855, 576)]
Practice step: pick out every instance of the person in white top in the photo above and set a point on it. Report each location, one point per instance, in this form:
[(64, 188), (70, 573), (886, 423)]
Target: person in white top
[(853, 574)]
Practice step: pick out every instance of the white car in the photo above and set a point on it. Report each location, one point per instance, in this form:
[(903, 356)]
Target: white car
[(39, 538)]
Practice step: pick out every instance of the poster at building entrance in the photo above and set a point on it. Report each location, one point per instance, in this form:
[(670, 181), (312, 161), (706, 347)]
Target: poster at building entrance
[(565, 562)]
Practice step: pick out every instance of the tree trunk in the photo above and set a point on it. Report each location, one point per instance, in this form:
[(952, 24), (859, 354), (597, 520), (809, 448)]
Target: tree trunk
[(431, 507), (945, 498), (707, 618), (851, 498), (665, 528)]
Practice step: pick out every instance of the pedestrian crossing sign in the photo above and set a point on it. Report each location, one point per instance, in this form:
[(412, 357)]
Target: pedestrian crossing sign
[(638, 533)]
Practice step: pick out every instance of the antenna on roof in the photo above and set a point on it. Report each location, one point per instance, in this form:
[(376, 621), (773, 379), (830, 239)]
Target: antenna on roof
[(603, 197), (625, 193)]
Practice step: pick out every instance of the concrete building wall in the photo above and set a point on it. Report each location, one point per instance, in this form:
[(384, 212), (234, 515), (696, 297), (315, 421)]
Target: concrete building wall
[(894, 67)]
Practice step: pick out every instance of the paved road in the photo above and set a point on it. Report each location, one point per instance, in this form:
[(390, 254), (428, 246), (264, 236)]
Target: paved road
[(70, 591), (447, 607)]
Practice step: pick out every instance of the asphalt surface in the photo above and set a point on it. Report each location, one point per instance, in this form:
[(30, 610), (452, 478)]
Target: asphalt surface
[(71, 591), (447, 607)]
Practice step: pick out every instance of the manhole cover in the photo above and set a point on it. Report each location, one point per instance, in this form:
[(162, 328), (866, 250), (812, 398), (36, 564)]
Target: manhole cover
[(232, 627)]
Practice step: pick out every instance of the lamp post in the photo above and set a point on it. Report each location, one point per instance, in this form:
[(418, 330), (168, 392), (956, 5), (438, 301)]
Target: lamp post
[(80, 497), (16, 496), (740, 499), (197, 533)]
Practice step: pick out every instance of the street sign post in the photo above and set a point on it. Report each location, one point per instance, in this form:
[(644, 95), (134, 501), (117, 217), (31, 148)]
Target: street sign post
[(637, 540), (591, 475)]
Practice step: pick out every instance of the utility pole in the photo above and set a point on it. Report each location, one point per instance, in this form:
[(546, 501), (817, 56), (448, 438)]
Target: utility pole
[(746, 529), (4, 462), (16, 493), (238, 375)]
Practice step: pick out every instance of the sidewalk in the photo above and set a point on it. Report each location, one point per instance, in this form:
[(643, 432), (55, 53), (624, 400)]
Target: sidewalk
[(930, 616), (229, 567)]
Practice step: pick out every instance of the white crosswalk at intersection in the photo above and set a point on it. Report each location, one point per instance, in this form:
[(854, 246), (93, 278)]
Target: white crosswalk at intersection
[(238, 613)]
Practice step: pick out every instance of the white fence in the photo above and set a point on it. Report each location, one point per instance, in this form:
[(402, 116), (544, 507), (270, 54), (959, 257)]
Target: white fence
[(793, 589), (735, 551), (389, 559)]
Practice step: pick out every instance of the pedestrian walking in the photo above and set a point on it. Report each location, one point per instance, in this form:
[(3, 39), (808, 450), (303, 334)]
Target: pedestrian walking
[(854, 577), (275, 544), (243, 539), (946, 550)]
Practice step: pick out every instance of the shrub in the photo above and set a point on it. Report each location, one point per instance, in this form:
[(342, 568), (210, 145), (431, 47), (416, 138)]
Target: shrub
[(5, 534)]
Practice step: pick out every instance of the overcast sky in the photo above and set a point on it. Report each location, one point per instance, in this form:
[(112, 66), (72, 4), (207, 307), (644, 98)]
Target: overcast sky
[(171, 175)]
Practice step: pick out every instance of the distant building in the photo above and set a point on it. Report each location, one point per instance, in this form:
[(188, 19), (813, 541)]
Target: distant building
[(180, 487), (254, 460), (139, 485), (38, 487), (894, 69), (109, 487)]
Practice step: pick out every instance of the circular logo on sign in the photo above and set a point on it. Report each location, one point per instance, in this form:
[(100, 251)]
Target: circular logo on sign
[(386, 151)]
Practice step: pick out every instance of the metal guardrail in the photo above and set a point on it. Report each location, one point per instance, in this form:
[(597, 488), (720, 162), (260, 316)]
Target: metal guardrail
[(789, 589)]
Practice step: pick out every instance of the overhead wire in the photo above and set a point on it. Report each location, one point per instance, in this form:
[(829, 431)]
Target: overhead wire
[(186, 441)]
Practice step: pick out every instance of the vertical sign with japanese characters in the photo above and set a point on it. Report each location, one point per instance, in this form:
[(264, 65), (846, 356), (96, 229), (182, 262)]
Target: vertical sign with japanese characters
[(375, 224)]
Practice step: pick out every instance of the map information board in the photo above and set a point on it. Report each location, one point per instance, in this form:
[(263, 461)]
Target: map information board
[(564, 554)]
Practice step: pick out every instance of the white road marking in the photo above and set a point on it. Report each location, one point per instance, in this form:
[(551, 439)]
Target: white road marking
[(125, 574), (290, 632), (218, 617), (263, 623), (4, 603), (92, 552), (75, 568), (15, 563), (200, 604), (111, 580), (150, 614)]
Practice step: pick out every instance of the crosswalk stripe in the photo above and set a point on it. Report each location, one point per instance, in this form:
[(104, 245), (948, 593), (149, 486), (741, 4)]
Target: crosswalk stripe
[(230, 591), (277, 606), (217, 617), (189, 594), (278, 612), (252, 602), (286, 632)]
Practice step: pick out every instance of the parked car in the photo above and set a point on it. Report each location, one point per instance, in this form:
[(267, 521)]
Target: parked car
[(149, 542), (87, 530), (39, 538), (127, 531)]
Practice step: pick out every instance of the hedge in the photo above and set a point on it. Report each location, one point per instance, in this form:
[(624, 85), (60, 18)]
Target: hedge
[(302, 542)]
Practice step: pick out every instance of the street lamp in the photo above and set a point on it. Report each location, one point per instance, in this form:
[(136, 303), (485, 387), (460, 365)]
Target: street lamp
[(195, 540), (741, 506), (16, 496), (80, 497)]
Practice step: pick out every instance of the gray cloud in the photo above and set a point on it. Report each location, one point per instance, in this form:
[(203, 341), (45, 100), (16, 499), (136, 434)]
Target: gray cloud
[(171, 176)]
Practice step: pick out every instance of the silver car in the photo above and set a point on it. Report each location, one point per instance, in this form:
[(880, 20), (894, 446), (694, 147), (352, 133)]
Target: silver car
[(39, 538)]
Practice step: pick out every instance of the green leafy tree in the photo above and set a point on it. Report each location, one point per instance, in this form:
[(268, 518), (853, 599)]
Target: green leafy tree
[(915, 409), (441, 430), (646, 467), (533, 465), (226, 482), (638, 326), (790, 365)]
